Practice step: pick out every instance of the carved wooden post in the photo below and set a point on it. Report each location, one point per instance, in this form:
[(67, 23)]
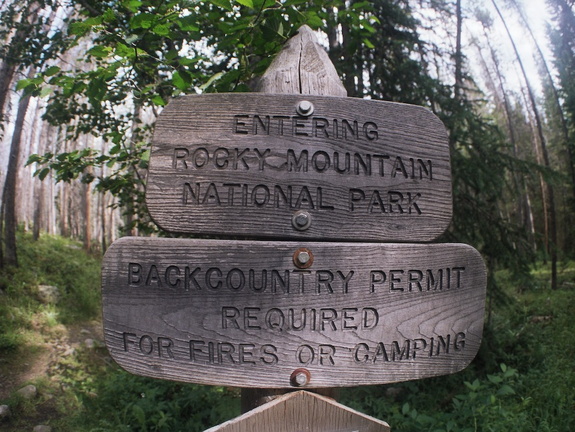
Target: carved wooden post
[(301, 67)]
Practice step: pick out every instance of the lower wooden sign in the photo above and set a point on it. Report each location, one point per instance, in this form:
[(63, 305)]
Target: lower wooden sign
[(291, 314)]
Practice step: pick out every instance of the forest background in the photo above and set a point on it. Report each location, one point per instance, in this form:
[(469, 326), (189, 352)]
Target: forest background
[(82, 82)]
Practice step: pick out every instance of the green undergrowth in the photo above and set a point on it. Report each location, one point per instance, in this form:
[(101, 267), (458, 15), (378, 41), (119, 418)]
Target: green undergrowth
[(55, 261), (521, 380)]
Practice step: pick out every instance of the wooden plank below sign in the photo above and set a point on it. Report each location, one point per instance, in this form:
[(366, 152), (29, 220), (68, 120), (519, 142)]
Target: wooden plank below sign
[(244, 164), (287, 314)]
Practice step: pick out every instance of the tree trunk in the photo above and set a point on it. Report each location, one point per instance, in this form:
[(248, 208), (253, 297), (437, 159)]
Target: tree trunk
[(458, 53), (524, 209), (11, 61), (6, 76), (556, 100), (87, 198), (552, 246), (8, 213)]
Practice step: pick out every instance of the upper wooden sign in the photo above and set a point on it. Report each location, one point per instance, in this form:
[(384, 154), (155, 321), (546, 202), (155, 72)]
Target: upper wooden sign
[(277, 315), (305, 167)]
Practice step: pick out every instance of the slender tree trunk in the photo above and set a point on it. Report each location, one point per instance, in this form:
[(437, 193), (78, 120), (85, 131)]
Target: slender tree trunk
[(569, 145), (87, 198), (39, 192), (9, 65), (7, 72), (9, 220), (552, 247), (524, 209), (458, 53)]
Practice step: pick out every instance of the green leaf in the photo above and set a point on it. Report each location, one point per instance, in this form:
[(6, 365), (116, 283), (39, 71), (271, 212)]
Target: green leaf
[(143, 20), (80, 28), (505, 390), (23, 83), (145, 156), (43, 173), (495, 379), (100, 51), (35, 158), (139, 414), (131, 39), (224, 4), (157, 100), (109, 15), (186, 61), (313, 20), (366, 25), (405, 408), (46, 91), (132, 5), (188, 23), (368, 43), (51, 71), (161, 30), (181, 80), (124, 51), (246, 3)]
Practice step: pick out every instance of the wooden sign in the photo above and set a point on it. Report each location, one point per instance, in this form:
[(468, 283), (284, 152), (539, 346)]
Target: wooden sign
[(291, 314), (305, 167), (302, 411)]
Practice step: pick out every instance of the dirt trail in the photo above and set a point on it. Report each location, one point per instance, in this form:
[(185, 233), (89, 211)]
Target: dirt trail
[(31, 363)]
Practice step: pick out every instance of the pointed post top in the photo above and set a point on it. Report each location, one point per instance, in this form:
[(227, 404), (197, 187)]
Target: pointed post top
[(302, 67)]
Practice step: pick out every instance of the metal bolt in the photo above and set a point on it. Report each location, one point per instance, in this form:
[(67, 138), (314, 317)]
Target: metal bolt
[(305, 108), (300, 377), (301, 220), (303, 258)]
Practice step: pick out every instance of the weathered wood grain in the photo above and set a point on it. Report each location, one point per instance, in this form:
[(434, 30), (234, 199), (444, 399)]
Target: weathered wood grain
[(241, 313), (242, 165), (302, 67), (302, 411)]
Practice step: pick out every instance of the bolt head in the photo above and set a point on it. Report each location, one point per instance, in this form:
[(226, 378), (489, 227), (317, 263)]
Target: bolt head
[(305, 108), (303, 257), (301, 220), (300, 379)]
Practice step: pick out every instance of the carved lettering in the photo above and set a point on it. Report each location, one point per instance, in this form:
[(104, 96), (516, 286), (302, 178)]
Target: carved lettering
[(322, 355), (227, 353), (162, 347), (408, 349), (376, 201), (274, 281), (260, 195), (302, 161), (346, 129), (415, 280), (299, 319)]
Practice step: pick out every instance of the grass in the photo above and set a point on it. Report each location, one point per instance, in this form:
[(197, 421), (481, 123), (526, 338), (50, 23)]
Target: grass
[(521, 380)]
